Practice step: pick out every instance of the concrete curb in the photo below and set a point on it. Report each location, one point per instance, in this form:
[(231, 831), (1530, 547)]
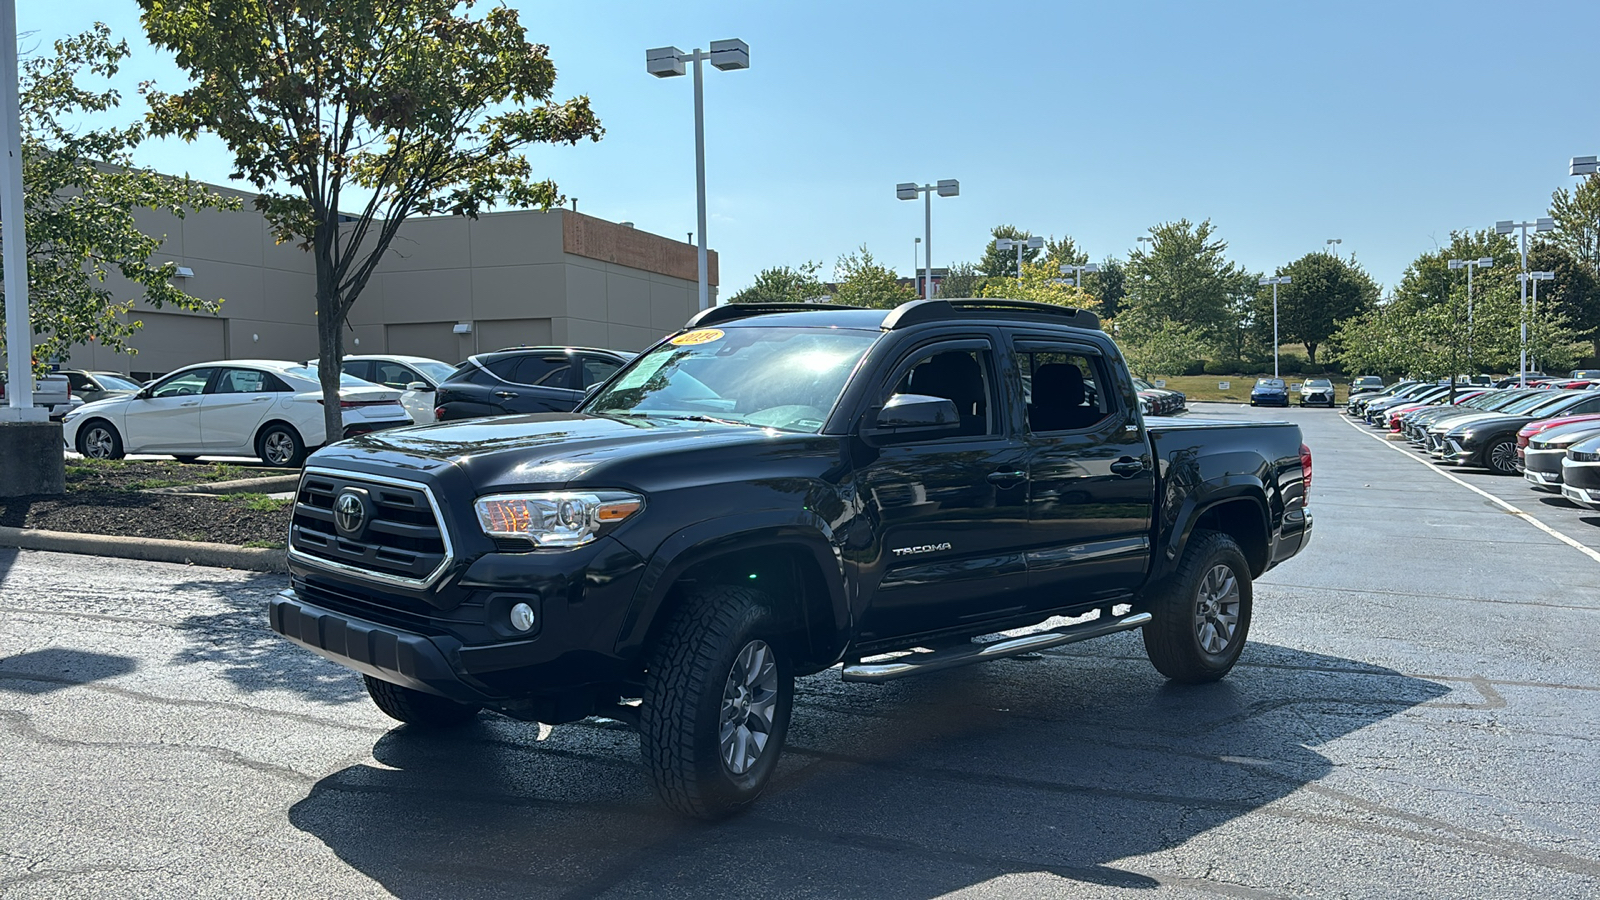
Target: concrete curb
[(267, 485), (225, 556)]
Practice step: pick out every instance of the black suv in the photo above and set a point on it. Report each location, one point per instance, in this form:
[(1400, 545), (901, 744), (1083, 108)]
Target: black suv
[(774, 491), (524, 380)]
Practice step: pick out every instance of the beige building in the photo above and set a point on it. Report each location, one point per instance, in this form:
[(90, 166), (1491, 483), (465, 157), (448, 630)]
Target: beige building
[(449, 287)]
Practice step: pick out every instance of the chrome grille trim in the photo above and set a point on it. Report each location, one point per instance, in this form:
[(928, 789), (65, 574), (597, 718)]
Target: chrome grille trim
[(367, 574)]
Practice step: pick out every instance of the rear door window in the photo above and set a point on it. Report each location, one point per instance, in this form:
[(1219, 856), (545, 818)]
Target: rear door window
[(543, 370)]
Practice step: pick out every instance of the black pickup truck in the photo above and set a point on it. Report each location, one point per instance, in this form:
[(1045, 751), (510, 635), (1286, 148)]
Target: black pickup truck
[(774, 491)]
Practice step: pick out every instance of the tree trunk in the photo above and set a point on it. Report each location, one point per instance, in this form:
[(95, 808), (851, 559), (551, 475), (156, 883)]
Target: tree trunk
[(1311, 352), (330, 322)]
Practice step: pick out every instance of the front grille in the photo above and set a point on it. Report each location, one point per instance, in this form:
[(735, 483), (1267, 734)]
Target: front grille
[(401, 541)]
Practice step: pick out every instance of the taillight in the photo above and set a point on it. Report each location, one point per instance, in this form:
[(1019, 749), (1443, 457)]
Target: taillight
[(438, 413), (1305, 469)]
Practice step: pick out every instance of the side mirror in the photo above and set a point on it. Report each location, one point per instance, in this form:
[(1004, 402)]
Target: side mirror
[(912, 417), (142, 395), (418, 386), (590, 390)]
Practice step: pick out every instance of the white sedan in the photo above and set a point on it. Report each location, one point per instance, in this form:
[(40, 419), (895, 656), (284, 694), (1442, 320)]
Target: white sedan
[(239, 407), (417, 376)]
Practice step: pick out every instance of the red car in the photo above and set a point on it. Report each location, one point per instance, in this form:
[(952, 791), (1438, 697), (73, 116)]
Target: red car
[(1533, 429), (1398, 411)]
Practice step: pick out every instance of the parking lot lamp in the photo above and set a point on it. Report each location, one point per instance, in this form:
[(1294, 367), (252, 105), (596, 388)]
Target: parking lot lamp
[(1584, 165), (1469, 264), (945, 187), (667, 62), (1539, 225), (1330, 244), (1281, 279), (1531, 361), (1006, 244), (1077, 272)]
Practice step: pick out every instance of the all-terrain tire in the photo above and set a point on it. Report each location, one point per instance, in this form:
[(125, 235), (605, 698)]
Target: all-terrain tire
[(1178, 641), (694, 673), (417, 708)]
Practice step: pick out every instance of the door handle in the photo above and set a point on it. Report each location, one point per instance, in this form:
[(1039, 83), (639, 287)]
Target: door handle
[(505, 395), (191, 403), (259, 399), (1128, 467), (1006, 479)]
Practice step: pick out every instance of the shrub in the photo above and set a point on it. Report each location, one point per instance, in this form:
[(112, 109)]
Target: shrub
[(1225, 367), (1195, 367)]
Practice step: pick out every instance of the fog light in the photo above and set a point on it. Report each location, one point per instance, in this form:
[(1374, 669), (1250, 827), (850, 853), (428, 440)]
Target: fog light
[(522, 618)]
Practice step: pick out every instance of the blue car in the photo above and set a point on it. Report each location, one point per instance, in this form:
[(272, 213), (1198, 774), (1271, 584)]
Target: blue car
[(1269, 392)]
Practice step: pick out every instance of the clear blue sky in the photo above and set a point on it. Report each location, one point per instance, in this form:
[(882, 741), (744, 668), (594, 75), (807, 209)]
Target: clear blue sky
[(1385, 124)]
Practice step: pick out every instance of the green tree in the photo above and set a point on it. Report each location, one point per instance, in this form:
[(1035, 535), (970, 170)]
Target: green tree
[(81, 192), (392, 108), (1109, 286), (1063, 252), (1574, 292), (962, 280), (1184, 278), (1041, 283), (782, 284), (1157, 347), (863, 281), (997, 262), (1323, 289), (1577, 215)]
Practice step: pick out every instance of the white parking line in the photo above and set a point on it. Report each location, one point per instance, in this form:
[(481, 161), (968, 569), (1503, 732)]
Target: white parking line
[(1519, 513)]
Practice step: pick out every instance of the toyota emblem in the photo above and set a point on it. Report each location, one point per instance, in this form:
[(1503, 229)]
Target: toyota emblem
[(349, 513)]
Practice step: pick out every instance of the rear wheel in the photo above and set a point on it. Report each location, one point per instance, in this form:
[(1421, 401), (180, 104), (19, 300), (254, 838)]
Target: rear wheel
[(1501, 456), (716, 704), (98, 439), (417, 708), (280, 446), (1202, 613)]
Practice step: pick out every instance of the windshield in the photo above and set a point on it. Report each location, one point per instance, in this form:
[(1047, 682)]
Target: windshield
[(1269, 383), (784, 378), (1531, 402), (117, 383), (1317, 383), (345, 379)]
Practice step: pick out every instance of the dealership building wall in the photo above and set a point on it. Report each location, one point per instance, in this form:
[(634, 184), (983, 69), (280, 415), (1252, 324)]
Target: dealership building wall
[(449, 287)]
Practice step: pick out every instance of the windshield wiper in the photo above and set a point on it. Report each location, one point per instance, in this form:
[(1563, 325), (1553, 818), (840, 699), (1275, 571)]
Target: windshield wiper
[(700, 418)]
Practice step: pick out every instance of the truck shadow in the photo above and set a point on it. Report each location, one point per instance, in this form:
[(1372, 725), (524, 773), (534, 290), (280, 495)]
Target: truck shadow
[(237, 643), (1064, 763)]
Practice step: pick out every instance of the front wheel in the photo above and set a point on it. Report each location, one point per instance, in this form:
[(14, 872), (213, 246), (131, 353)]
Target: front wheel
[(416, 708), (716, 704), (99, 440), (1202, 613), (1501, 456)]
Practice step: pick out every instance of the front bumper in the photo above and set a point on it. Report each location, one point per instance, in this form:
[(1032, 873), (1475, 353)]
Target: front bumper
[(1542, 469), (1454, 453), (1270, 400), (1580, 482)]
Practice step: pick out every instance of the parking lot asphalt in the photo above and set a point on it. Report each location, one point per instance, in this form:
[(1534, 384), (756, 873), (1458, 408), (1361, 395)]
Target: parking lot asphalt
[(1416, 716)]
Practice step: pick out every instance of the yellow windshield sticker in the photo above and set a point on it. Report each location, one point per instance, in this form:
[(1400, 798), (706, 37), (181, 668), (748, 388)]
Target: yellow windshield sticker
[(703, 336)]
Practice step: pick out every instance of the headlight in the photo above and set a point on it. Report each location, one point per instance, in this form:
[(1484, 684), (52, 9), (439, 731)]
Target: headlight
[(555, 519)]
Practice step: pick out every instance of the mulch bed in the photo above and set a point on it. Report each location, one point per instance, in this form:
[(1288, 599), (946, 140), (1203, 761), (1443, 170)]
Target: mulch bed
[(111, 498)]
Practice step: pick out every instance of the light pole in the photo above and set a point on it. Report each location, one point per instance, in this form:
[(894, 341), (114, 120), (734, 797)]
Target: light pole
[(667, 62), (1535, 277), (916, 258), (1539, 225), (1077, 272), (1148, 239), (945, 187), (1468, 264), (1331, 243), (1004, 244), (1275, 281), (19, 333)]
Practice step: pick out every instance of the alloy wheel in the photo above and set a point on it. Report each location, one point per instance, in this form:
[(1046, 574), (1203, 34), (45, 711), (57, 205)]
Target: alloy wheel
[(1216, 614), (1503, 457), (97, 444), (749, 700), (279, 448)]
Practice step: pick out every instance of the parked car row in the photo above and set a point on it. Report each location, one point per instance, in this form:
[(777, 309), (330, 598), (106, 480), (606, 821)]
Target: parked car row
[(272, 409), (1473, 425), (1159, 401)]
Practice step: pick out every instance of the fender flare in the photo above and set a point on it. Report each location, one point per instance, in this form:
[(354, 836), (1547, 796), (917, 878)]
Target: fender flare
[(1197, 504), (706, 540)]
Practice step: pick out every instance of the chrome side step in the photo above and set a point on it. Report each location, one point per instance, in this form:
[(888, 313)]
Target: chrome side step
[(917, 663)]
